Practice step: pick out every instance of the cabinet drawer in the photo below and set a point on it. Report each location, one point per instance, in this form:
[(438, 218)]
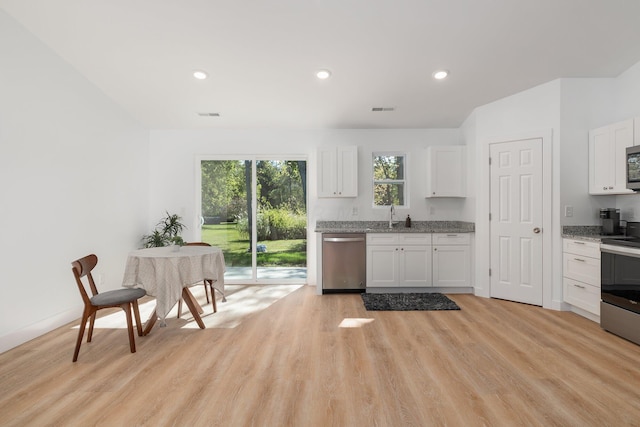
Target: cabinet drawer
[(382, 238), (580, 247), (451, 238), (414, 239), (581, 268), (582, 295)]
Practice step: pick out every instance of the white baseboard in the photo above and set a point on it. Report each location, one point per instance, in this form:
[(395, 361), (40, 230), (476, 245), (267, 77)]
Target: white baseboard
[(21, 336)]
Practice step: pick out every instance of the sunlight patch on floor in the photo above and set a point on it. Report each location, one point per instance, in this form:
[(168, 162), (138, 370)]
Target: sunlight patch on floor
[(354, 322), (242, 301)]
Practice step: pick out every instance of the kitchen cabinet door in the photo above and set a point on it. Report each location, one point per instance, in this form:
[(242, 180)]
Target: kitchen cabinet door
[(451, 266), (382, 266), (415, 266), (338, 172), (446, 169), (607, 158)]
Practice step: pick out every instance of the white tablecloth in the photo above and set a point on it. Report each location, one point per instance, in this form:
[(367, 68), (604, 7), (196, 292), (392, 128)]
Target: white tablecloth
[(163, 272)]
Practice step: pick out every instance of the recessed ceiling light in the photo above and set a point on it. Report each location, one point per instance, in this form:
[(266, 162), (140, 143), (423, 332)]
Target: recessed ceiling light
[(323, 74), (440, 74), (200, 75)]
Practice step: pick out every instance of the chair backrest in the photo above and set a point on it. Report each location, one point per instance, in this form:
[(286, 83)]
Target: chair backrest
[(82, 267), (197, 244)]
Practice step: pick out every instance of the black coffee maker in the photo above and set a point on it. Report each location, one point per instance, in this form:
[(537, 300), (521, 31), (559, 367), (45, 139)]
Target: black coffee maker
[(610, 221)]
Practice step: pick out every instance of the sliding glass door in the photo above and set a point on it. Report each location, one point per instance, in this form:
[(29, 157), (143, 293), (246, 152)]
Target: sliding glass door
[(256, 211)]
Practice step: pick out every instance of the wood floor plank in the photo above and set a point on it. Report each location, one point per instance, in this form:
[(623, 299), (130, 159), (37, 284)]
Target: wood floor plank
[(324, 360)]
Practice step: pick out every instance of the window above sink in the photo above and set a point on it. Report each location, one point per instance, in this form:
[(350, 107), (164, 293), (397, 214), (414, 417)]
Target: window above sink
[(390, 179)]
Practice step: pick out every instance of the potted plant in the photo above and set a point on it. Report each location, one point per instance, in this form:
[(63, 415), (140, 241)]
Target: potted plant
[(166, 233)]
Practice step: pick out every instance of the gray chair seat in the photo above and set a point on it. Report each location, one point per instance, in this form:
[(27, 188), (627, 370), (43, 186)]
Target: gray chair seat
[(117, 297)]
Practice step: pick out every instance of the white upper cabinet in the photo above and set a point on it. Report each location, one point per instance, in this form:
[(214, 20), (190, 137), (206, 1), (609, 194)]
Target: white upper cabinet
[(607, 158), (446, 169), (338, 171)]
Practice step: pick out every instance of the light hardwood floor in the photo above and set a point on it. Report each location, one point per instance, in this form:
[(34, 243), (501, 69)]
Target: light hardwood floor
[(494, 363)]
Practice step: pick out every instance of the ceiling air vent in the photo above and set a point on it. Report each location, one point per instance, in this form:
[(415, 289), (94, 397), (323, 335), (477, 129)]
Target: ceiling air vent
[(383, 109), (209, 114)]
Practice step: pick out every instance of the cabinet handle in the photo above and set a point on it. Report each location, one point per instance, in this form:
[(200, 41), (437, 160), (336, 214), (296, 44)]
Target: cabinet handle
[(452, 235), (610, 188), (579, 286), (578, 259), (604, 188), (578, 243), (435, 249)]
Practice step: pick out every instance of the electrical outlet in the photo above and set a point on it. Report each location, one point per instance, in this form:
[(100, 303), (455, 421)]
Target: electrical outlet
[(354, 211), (568, 211)]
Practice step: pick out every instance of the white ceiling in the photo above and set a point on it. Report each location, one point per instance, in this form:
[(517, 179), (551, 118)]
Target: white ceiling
[(262, 55)]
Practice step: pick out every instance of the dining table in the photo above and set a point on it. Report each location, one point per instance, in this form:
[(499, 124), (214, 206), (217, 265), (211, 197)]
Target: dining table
[(166, 273)]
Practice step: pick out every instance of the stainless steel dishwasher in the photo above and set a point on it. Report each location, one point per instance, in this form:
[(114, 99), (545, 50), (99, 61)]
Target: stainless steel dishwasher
[(344, 258)]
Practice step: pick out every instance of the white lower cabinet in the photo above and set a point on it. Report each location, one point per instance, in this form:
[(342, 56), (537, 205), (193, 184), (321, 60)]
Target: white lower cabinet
[(398, 260), (451, 260), (581, 274), (418, 260)]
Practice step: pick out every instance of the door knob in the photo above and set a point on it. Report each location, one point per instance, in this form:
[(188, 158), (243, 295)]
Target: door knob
[(536, 230)]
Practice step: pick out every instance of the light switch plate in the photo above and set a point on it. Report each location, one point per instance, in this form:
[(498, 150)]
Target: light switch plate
[(568, 211)]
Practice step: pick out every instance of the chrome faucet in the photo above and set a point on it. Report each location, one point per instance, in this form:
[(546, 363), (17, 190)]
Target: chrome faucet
[(391, 212)]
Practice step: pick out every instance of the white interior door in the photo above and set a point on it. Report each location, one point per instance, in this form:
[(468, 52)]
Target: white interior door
[(516, 220)]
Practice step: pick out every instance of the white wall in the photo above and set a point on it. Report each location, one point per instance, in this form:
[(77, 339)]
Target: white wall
[(627, 93), (73, 180), (585, 104), (173, 171), (535, 112)]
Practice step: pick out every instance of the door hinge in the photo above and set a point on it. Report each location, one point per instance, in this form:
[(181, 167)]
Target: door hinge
[(489, 272), (489, 216), (489, 160)]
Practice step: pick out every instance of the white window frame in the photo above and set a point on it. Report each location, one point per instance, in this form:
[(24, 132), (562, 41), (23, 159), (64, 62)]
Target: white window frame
[(404, 181)]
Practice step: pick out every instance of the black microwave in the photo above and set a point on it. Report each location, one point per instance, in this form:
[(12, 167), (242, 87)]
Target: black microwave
[(633, 168)]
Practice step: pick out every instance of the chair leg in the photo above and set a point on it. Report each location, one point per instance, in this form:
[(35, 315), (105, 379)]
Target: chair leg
[(92, 320), (136, 313), (80, 336), (132, 341)]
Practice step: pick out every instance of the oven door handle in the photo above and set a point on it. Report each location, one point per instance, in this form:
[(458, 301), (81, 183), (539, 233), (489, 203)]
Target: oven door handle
[(620, 250)]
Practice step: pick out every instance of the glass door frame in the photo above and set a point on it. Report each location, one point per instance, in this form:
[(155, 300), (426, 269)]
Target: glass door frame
[(254, 210)]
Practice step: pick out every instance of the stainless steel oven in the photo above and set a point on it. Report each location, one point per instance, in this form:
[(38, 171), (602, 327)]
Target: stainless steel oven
[(620, 281)]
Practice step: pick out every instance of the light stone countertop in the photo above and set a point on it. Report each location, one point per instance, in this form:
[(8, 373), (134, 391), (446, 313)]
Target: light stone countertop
[(383, 227), (589, 233)]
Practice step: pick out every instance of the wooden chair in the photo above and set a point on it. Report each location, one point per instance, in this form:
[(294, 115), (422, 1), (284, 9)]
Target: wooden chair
[(207, 283), (124, 298)]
